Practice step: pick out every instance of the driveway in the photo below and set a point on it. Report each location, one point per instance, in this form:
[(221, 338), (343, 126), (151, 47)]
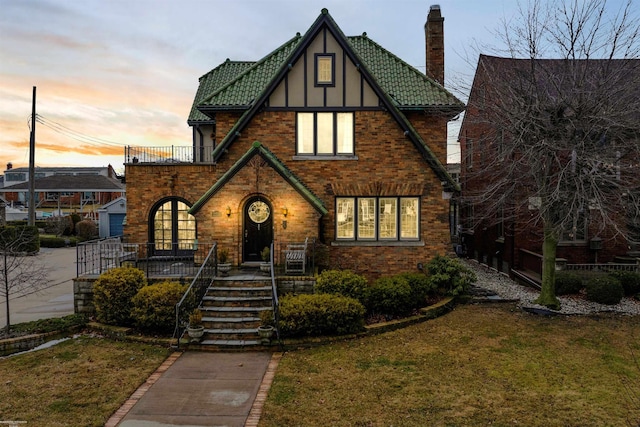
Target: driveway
[(56, 300)]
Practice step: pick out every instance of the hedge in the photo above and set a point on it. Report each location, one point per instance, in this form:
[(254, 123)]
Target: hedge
[(320, 314)]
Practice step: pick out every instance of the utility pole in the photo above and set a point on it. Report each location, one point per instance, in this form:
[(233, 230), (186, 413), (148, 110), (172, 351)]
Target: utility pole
[(32, 156)]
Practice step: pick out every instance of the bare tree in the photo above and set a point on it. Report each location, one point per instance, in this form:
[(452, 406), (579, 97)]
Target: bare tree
[(19, 274), (557, 125)]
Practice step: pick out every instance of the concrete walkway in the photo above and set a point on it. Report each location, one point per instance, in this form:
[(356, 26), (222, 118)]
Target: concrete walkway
[(201, 389)]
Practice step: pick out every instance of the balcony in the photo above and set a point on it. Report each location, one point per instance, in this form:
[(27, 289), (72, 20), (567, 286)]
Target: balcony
[(173, 154)]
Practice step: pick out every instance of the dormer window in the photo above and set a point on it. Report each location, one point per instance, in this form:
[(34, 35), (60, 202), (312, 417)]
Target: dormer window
[(325, 69)]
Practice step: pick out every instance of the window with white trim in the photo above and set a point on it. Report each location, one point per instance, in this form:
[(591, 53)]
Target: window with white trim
[(324, 133), (377, 218)]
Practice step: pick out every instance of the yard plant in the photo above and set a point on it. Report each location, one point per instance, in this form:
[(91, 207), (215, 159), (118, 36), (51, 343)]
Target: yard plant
[(476, 366), (79, 382)]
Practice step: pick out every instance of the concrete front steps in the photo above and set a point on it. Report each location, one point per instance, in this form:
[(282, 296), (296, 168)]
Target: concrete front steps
[(231, 312)]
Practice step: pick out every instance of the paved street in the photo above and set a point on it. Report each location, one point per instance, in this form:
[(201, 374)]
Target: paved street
[(54, 301)]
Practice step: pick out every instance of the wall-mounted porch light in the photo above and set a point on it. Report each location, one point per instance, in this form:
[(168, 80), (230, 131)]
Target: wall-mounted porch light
[(285, 211), (228, 211)]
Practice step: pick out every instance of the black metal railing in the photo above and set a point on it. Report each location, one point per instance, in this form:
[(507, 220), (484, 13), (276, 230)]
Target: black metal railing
[(169, 154), (195, 292), (95, 257), (174, 260), (274, 291)]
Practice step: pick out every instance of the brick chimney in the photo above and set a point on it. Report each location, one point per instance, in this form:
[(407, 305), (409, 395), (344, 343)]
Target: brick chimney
[(434, 44)]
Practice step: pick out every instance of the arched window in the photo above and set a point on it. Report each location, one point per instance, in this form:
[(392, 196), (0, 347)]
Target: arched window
[(173, 229)]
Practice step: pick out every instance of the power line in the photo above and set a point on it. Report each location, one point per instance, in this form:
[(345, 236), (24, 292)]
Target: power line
[(78, 136)]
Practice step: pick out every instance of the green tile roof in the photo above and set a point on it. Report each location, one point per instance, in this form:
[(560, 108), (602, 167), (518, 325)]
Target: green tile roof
[(405, 85), (258, 149), (251, 82), (213, 81)]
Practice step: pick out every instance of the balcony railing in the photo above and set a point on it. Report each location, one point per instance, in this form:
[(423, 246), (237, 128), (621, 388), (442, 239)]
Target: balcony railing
[(168, 155)]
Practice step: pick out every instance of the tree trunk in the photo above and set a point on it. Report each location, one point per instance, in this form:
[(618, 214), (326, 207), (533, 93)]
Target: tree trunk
[(6, 290), (548, 292)]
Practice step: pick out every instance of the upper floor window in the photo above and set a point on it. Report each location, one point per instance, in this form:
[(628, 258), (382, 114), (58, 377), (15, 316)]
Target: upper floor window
[(324, 133), (377, 218), (577, 229), (15, 176), (325, 69), (469, 153)]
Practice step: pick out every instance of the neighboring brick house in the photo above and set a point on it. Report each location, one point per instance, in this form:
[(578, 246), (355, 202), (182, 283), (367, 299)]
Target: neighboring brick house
[(328, 137), (513, 243), (62, 187)]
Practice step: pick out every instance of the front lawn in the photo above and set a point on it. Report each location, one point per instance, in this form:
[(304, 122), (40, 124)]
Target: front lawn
[(79, 382), (475, 366)]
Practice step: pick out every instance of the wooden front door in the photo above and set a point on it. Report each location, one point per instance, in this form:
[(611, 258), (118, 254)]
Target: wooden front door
[(258, 228)]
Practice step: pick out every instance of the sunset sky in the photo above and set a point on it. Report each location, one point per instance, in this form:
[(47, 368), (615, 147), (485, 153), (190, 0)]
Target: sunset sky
[(113, 73)]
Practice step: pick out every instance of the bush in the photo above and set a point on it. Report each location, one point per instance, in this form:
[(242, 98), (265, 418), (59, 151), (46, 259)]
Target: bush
[(57, 242), (604, 290), (86, 229), (154, 306), (65, 225), (320, 314), (342, 282), (7, 237), (568, 283), (421, 288), (630, 281), (112, 294), (20, 238), (449, 276), (390, 296)]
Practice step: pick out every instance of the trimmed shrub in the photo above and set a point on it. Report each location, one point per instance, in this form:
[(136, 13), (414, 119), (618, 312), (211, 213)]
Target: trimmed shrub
[(604, 290), (449, 276), (86, 229), (421, 288), (320, 314), (57, 242), (154, 306), (112, 294), (568, 283), (630, 281), (342, 282), (390, 296)]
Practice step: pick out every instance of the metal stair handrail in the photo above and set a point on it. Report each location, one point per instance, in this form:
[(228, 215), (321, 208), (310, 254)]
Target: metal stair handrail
[(195, 292)]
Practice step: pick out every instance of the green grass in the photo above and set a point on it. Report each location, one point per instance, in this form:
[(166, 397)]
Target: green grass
[(79, 382), (475, 366)]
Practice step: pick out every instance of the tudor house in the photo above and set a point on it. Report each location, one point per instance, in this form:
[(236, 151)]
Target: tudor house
[(327, 137)]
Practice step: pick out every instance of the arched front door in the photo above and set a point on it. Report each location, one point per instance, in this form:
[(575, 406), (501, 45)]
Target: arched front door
[(258, 228)]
